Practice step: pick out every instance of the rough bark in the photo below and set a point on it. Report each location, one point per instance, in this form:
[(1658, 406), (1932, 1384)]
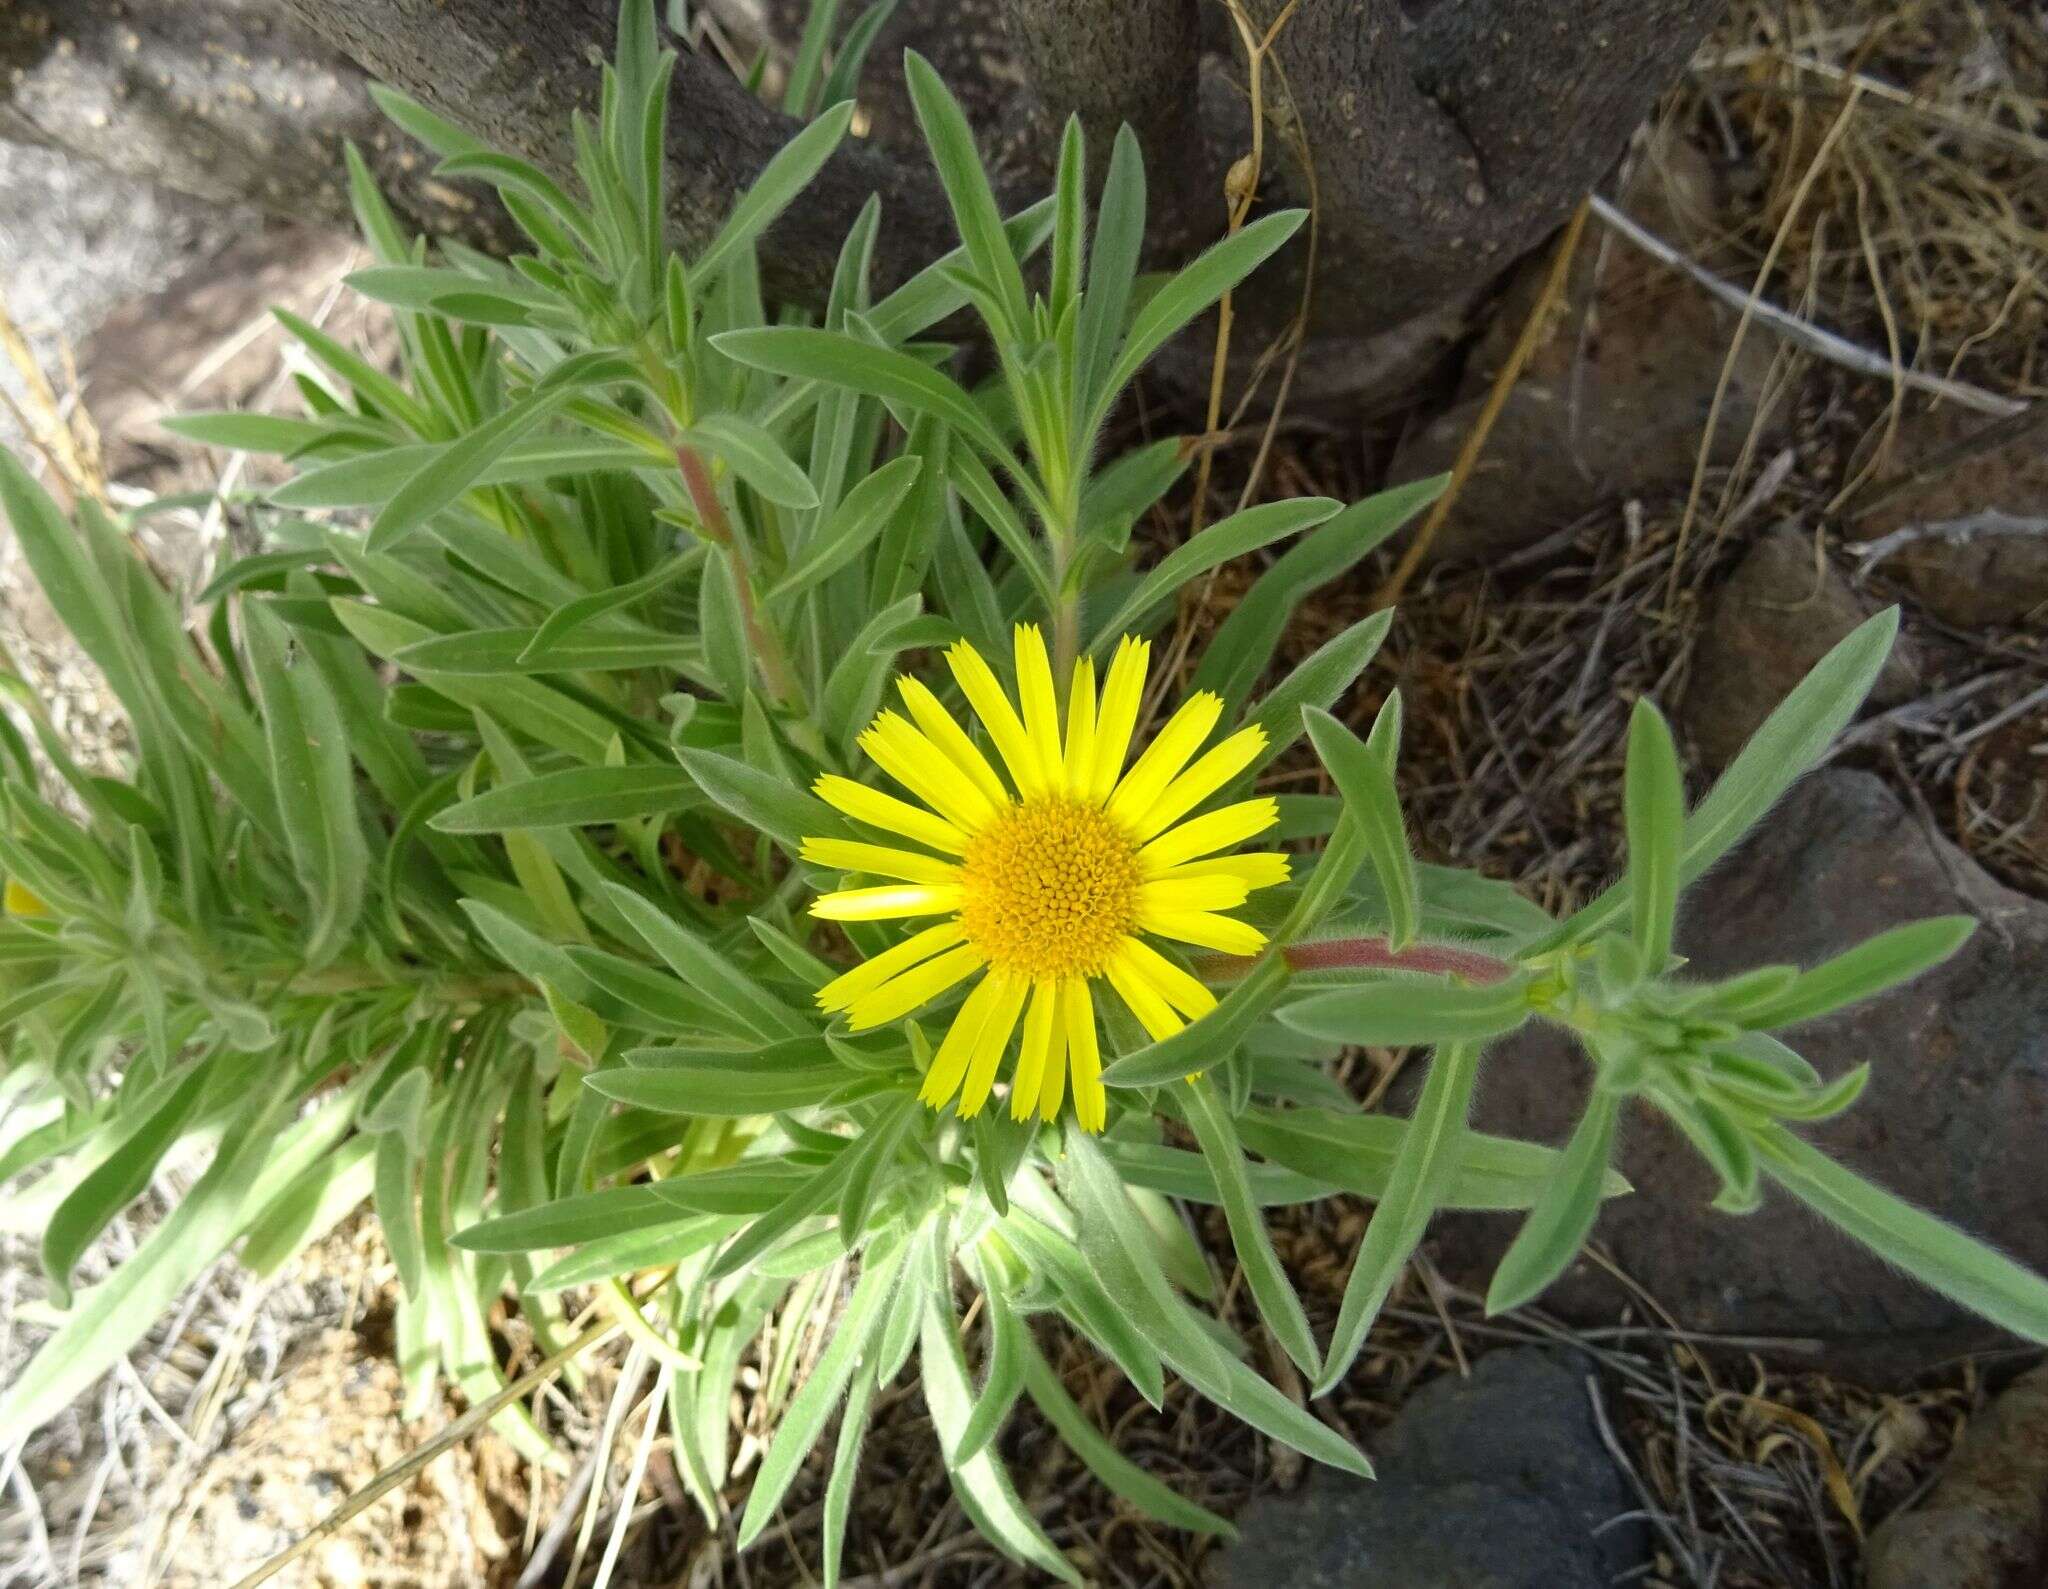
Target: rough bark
[(249, 101), (1446, 146), (513, 71), (1135, 62), (229, 101), (1447, 137)]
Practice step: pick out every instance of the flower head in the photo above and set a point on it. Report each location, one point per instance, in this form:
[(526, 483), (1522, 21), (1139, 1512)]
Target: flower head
[(1048, 881)]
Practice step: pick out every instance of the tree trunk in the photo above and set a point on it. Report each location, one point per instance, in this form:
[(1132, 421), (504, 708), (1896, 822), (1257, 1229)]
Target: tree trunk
[(227, 100), (1441, 138)]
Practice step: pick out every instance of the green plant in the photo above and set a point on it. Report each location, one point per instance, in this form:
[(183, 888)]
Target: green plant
[(469, 862)]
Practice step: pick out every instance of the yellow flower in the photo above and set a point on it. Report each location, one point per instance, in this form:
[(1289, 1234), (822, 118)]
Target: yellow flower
[(1046, 881), (23, 901)]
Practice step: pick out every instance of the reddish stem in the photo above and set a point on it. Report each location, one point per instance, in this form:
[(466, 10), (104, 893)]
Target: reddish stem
[(1371, 954), (704, 497)]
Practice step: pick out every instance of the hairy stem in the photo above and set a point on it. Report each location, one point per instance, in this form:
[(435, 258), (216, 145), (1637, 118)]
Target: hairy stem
[(766, 645), (1371, 953)]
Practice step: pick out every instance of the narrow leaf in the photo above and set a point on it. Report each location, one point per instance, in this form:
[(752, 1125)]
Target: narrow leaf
[(1558, 1225), (1421, 1171)]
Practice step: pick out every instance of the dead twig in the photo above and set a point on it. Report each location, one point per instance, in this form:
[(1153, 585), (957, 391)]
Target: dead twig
[(1496, 399), (1815, 339)]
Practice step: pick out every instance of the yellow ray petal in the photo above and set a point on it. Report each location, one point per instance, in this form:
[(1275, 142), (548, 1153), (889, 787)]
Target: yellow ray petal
[(1213, 830), (919, 985), (943, 731), (885, 811), (1204, 778), (21, 900), (1091, 1104), (881, 860), (922, 768), (989, 1046), (1041, 705), (1261, 869), (1084, 1054), (1204, 929), (984, 692), (1043, 1043), (1218, 892), (884, 904), (1146, 1001), (1080, 753), (1165, 757), (1123, 688), (1188, 996), (870, 974), (950, 1064)]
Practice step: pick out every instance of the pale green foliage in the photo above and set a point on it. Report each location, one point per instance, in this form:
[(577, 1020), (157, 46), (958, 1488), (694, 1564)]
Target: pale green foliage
[(404, 898)]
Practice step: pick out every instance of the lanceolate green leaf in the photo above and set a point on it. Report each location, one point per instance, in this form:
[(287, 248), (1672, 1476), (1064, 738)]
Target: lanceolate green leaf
[(712, 1084), (974, 207), (1193, 289), (374, 477), (1002, 1382), (574, 797), (781, 181), (1877, 963), (885, 373), (1358, 1153), (804, 1421), (1792, 740), (755, 456), (1319, 681), (1366, 780), (573, 616), (256, 1164), (121, 1178), (1102, 1458), (1558, 1225), (789, 815), (1219, 543), (1111, 1236), (980, 1481), (453, 469), (858, 519), (1119, 239), (1429, 1152), (710, 973), (1271, 1289), (1243, 647), (1655, 808), (309, 758), (1410, 1010), (1931, 1250)]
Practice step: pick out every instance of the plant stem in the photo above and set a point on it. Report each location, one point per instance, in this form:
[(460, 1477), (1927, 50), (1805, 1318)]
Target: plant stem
[(776, 673), (1066, 613), (1372, 953)]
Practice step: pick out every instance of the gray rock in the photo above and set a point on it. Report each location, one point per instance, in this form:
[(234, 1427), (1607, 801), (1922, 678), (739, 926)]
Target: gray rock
[(76, 240), (1985, 1524), (1992, 578), (1778, 614), (208, 340), (1615, 399), (1499, 1481), (1953, 1119)]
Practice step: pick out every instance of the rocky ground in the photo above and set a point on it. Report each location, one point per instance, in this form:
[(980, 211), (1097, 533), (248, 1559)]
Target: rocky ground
[(1678, 498)]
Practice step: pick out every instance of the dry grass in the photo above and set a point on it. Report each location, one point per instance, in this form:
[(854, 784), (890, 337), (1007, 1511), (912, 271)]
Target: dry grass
[(1927, 226)]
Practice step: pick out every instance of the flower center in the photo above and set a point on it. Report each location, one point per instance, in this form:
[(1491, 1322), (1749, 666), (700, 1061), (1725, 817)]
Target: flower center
[(1051, 887)]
